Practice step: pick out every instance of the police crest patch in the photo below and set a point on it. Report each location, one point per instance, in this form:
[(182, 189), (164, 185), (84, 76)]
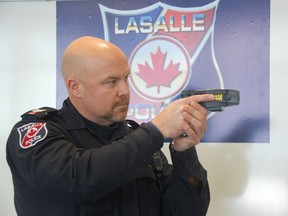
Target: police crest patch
[(32, 133)]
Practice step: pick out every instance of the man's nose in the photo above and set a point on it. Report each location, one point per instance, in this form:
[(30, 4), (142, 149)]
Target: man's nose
[(124, 88)]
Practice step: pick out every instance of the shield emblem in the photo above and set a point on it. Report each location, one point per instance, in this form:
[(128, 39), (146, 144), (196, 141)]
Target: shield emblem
[(162, 43), (31, 134)]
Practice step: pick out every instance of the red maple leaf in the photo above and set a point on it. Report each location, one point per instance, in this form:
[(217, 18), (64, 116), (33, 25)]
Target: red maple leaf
[(158, 75)]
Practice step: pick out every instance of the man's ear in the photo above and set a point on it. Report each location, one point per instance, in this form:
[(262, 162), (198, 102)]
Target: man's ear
[(74, 86)]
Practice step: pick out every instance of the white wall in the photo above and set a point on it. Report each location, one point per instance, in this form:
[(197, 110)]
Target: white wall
[(245, 179), (27, 73)]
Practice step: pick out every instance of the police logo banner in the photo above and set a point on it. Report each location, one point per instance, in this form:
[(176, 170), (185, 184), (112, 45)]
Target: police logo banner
[(172, 46)]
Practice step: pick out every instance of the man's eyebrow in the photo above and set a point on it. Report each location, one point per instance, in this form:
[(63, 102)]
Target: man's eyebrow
[(116, 77), (112, 77)]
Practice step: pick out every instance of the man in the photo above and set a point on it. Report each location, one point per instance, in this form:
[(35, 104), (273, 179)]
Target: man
[(85, 159)]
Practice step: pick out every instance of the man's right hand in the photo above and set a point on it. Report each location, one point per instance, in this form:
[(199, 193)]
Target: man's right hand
[(185, 115)]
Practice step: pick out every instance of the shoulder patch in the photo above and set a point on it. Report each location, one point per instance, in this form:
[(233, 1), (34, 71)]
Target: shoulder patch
[(32, 133)]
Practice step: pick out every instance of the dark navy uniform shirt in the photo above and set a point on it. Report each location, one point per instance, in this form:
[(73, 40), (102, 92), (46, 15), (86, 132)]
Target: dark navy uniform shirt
[(65, 165)]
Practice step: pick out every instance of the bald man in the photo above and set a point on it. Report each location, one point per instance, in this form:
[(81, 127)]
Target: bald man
[(87, 160)]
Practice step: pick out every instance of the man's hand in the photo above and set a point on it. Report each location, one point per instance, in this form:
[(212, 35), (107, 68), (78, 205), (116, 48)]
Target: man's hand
[(184, 116)]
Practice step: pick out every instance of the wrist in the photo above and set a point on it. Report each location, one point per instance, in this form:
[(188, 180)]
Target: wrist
[(173, 148), (179, 147), (159, 128)]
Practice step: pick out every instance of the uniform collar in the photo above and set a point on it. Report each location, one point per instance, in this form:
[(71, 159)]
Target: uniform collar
[(72, 117), (75, 121)]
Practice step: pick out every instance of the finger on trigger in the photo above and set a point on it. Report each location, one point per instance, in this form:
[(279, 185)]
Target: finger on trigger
[(202, 98)]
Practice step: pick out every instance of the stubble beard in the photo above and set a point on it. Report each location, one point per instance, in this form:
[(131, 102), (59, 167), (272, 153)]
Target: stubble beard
[(119, 111)]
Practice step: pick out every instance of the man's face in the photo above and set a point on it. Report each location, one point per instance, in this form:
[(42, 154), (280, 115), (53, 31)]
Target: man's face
[(105, 93)]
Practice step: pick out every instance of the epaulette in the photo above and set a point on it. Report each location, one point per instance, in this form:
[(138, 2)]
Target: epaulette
[(40, 113), (132, 124)]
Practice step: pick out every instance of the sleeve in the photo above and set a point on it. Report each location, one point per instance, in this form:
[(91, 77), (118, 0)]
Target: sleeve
[(180, 198), (54, 166)]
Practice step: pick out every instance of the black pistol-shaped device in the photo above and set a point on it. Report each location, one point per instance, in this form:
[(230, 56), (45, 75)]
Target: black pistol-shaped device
[(222, 98)]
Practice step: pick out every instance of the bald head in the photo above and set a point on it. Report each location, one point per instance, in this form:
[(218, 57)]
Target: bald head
[(89, 53), (96, 77)]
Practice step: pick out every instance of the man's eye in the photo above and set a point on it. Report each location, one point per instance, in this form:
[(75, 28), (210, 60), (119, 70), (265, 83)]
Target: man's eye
[(111, 82)]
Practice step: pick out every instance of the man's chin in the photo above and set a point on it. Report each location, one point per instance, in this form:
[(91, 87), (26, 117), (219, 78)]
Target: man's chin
[(120, 116)]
